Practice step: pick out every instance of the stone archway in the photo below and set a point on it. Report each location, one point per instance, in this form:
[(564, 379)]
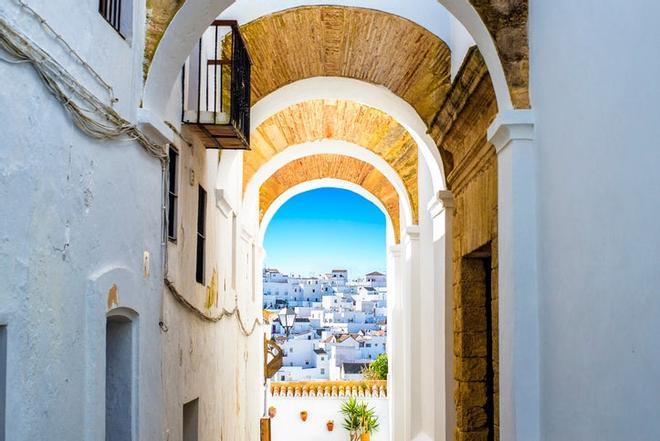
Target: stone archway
[(316, 167), (496, 28)]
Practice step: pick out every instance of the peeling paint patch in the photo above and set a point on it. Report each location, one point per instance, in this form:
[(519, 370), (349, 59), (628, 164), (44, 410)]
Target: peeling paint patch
[(145, 264), (113, 296), (212, 292)]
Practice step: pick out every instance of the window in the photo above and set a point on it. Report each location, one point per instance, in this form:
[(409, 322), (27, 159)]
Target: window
[(291, 350), (119, 14), (3, 379), (307, 363), (190, 420), (282, 378), (201, 235), (119, 371), (322, 371), (322, 359), (173, 195)]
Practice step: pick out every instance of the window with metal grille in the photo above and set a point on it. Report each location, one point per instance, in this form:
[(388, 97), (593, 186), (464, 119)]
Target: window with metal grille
[(201, 234), (173, 194)]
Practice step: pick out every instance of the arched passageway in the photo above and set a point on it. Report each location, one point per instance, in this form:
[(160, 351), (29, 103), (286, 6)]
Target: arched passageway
[(427, 143)]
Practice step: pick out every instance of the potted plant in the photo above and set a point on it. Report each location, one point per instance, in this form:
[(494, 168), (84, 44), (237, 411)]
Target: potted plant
[(272, 411), (330, 425), (359, 419), (303, 415)]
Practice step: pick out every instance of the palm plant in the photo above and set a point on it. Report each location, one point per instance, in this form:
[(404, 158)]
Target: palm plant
[(359, 419)]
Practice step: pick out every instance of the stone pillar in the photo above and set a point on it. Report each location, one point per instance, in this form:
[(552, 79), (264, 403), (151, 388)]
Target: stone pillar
[(512, 134), (441, 208), (395, 343), (410, 298)]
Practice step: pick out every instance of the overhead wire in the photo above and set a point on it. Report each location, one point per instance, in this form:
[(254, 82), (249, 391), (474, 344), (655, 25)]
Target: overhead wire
[(96, 119)]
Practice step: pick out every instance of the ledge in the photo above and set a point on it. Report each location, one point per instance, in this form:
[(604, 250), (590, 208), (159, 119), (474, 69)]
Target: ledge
[(509, 126), (330, 389)]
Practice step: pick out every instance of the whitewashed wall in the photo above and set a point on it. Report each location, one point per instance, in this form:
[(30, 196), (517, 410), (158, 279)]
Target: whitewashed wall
[(595, 90), (287, 424), (79, 216)]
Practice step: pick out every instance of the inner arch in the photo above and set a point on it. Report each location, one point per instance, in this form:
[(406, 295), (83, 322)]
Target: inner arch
[(313, 168), (327, 146), (316, 120), (323, 183), (362, 92)]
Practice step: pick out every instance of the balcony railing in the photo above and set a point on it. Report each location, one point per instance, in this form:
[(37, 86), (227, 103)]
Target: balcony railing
[(216, 88)]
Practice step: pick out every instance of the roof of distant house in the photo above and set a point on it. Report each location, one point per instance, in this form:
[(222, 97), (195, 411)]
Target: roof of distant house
[(320, 351), (339, 271), (271, 270), (354, 368), (368, 288), (375, 273)]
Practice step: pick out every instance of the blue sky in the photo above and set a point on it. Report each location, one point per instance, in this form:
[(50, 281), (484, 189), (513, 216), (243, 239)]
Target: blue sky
[(319, 230)]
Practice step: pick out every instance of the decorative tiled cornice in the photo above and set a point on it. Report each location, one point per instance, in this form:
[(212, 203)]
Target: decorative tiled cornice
[(330, 389)]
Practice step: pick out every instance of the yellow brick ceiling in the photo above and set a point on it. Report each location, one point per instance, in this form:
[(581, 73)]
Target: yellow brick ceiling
[(359, 43), (348, 121), (384, 49), (331, 166)]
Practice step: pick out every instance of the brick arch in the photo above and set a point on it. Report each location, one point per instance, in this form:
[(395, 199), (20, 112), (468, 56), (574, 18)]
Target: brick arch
[(340, 120), (340, 167), (363, 44), (498, 26)]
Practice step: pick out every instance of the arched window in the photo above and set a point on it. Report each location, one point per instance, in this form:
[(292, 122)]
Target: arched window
[(120, 375)]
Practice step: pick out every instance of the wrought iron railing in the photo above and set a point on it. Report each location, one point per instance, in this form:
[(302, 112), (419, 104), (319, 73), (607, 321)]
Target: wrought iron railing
[(216, 86), (111, 11)]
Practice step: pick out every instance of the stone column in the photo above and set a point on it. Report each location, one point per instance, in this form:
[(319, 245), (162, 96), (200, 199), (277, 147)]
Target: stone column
[(395, 342), (512, 134), (441, 208), (409, 299)]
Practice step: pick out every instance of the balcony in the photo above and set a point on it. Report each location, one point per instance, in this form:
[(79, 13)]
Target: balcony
[(216, 88)]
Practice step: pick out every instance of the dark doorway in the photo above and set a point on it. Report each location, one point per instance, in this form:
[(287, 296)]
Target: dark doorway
[(190, 420), (119, 379)]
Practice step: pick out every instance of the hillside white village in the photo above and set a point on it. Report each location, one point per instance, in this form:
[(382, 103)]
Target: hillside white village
[(339, 326)]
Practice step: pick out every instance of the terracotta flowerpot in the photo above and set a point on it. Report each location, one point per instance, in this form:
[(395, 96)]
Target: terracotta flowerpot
[(330, 425), (365, 437), (272, 411), (303, 415)]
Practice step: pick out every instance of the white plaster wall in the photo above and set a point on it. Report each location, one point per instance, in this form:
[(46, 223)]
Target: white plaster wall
[(209, 361), (117, 60), (320, 410), (595, 91), (460, 42), (77, 216)]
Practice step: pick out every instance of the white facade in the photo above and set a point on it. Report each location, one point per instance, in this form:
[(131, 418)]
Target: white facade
[(319, 342), (320, 411)]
